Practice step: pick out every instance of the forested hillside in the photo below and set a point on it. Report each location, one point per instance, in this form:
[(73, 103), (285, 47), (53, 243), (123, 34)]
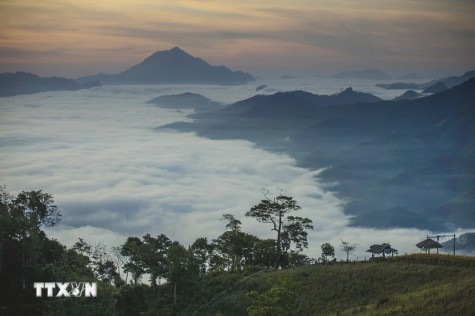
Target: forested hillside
[(234, 274)]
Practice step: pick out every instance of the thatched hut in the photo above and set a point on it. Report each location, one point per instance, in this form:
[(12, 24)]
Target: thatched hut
[(381, 249), (429, 244)]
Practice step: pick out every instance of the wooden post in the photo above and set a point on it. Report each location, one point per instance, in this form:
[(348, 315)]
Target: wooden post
[(438, 247), (454, 244), (174, 293)]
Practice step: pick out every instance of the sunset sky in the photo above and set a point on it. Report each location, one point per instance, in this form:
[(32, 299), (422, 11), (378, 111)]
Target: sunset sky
[(80, 37)]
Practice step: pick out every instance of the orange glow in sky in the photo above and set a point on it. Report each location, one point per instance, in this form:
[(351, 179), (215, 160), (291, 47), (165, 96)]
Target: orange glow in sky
[(79, 37)]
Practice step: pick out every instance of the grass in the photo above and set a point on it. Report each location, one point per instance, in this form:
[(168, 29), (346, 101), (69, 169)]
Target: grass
[(410, 285)]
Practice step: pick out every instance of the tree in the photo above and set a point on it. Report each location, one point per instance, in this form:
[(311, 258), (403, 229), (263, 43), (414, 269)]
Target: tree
[(233, 223), (348, 248), (38, 208), (290, 230), (21, 237), (327, 251), (201, 252), (134, 265), (234, 247), (153, 254), (183, 270), (265, 253)]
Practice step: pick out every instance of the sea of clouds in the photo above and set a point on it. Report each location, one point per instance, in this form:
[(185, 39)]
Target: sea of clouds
[(113, 175)]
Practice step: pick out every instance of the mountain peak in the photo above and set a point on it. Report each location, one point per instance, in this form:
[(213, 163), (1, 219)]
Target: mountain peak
[(177, 49), (175, 66), (174, 52)]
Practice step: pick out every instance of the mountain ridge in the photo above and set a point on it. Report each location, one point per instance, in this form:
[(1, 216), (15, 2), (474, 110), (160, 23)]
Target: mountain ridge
[(172, 67), (20, 82), (409, 154)]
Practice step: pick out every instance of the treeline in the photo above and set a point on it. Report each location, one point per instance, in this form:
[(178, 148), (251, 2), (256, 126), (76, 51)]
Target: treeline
[(144, 276)]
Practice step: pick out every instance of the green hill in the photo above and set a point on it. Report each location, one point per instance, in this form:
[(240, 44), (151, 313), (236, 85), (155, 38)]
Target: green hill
[(407, 286)]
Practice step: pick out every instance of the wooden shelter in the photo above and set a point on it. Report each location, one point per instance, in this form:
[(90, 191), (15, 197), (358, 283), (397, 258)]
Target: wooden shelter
[(429, 244), (382, 249)]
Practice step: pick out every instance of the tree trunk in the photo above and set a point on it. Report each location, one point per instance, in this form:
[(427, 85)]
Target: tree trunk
[(279, 248), (1, 257)]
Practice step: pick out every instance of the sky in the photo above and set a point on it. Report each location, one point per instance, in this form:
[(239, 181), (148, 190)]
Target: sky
[(74, 38)]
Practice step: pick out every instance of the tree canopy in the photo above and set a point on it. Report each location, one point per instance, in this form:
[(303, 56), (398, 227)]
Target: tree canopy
[(290, 230)]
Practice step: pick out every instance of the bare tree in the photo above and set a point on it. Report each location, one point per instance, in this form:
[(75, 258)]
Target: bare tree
[(348, 248)]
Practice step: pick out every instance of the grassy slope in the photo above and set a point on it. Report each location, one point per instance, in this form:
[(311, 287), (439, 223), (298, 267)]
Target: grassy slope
[(385, 288)]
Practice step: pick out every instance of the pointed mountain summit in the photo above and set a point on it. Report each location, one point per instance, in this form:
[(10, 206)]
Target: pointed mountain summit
[(174, 66)]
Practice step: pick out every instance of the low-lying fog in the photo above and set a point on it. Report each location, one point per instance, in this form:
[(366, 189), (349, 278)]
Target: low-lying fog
[(113, 176)]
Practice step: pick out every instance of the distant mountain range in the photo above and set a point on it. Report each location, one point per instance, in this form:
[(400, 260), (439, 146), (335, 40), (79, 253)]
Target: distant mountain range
[(464, 243), (366, 74), (447, 82), (408, 95), (298, 103), (27, 83), (405, 163), (172, 67)]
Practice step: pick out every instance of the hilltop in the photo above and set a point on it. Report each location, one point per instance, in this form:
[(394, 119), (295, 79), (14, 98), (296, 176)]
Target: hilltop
[(172, 67), (440, 84), (384, 288), (186, 100), (27, 83)]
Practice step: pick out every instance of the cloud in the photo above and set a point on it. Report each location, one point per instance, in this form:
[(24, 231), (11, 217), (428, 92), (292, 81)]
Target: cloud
[(260, 36), (113, 176), (97, 153)]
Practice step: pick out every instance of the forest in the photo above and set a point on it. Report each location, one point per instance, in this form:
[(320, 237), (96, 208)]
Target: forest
[(234, 274), (147, 275)]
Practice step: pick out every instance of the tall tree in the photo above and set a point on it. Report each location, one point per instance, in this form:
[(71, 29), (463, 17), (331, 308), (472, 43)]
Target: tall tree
[(183, 270), (291, 229), (348, 248), (21, 237), (201, 251), (327, 251), (234, 246), (154, 256), (131, 249)]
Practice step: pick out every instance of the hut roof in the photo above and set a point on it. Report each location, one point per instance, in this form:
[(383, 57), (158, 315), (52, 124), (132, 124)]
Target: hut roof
[(390, 250), (377, 249), (429, 244)]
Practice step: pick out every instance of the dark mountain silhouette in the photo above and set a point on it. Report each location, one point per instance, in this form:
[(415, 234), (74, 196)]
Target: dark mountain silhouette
[(406, 163), (449, 82), (399, 86), (464, 242), (186, 100), (389, 218), (437, 87), (366, 74), (27, 83), (296, 103), (174, 66), (408, 95)]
